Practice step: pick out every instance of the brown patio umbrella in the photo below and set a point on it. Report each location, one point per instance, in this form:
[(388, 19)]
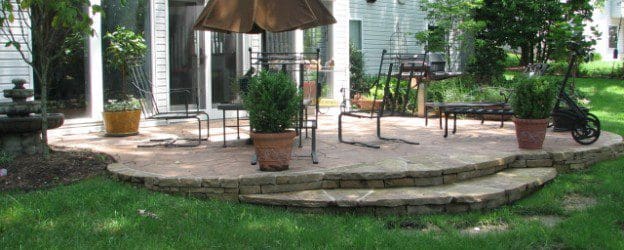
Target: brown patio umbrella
[(258, 16)]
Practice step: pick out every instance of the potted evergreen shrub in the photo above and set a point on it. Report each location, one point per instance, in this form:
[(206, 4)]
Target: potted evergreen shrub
[(272, 103), (533, 101), (121, 117)]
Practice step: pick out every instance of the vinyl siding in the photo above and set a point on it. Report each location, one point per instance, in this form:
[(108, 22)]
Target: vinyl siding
[(11, 64), (379, 23)]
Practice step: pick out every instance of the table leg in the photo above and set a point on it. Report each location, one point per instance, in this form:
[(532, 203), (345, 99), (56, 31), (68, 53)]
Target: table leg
[(224, 145), (237, 125)]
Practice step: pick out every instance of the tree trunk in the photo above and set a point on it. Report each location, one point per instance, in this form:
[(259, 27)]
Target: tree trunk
[(44, 111)]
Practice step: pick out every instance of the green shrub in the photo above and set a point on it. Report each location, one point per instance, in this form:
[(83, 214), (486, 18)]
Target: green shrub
[(595, 69), (534, 98), (272, 102), (5, 158), (128, 104), (356, 68), (512, 60)]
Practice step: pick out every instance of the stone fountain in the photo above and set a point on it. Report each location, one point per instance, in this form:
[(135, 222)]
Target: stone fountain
[(20, 121)]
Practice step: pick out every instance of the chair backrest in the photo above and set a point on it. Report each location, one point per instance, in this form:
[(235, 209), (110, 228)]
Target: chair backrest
[(140, 81), (536, 69)]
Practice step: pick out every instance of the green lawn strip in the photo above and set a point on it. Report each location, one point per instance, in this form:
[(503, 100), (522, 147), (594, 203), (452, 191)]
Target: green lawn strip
[(102, 213)]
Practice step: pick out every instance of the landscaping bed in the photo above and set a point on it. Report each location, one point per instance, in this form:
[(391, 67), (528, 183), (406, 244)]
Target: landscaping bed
[(28, 173)]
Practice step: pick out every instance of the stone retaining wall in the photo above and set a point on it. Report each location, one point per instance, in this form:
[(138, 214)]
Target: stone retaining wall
[(230, 188)]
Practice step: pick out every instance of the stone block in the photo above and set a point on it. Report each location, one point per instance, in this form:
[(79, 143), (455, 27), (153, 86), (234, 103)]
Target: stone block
[(521, 163), (330, 184), (389, 211), (268, 189), (535, 156), (402, 182), (168, 182), (231, 190), (250, 190), (228, 182), (577, 166), (431, 181), (449, 178), (425, 209), (361, 184), (539, 163), (467, 175), (496, 202), (190, 182), (210, 182), (257, 180), (456, 208), (299, 178)]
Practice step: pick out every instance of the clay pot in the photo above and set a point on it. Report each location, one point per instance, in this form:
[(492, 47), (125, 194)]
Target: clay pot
[(368, 104), (530, 132), (122, 123), (273, 150)]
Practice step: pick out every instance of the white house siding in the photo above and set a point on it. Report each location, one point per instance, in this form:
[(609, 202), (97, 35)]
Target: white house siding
[(339, 40), (11, 64), (160, 53), (609, 15), (380, 21)]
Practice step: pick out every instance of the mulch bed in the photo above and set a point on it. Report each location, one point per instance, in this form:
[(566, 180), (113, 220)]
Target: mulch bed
[(29, 173)]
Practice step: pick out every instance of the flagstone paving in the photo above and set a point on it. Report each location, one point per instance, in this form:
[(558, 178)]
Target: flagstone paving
[(210, 170)]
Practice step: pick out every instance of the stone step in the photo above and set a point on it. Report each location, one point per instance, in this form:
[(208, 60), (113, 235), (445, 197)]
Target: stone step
[(475, 194)]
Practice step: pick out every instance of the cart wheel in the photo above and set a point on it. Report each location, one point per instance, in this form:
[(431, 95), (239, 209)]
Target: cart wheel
[(587, 131)]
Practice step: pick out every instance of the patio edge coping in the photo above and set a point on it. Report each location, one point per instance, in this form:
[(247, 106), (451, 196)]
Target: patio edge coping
[(348, 177)]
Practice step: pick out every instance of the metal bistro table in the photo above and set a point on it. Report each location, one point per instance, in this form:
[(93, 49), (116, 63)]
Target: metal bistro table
[(231, 107)]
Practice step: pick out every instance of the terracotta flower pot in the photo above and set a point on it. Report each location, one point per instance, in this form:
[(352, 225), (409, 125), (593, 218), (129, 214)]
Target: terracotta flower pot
[(122, 123), (368, 104), (273, 150), (530, 132)]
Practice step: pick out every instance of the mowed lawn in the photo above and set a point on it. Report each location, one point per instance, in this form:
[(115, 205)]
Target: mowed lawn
[(102, 213)]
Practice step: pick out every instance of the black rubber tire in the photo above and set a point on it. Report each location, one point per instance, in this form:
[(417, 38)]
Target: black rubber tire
[(588, 131)]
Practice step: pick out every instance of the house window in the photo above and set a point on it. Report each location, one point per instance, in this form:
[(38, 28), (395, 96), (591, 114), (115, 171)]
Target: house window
[(355, 33), (613, 36)]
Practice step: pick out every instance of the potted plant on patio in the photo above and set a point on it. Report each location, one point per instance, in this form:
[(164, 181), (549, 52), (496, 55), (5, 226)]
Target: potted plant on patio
[(121, 117), (272, 103), (533, 101)]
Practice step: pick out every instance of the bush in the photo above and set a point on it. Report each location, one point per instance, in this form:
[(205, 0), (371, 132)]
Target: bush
[(534, 98), (128, 104), (512, 60), (356, 69), (272, 102), (5, 158), (595, 69)]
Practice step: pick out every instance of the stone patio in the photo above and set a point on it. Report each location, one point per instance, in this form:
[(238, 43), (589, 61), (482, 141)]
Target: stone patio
[(348, 177)]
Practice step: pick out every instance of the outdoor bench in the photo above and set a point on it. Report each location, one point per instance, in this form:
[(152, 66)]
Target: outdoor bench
[(503, 110)]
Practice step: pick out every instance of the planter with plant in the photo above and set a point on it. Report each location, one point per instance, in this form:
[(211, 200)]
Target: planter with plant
[(122, 116), (272, 103), (533, 101)]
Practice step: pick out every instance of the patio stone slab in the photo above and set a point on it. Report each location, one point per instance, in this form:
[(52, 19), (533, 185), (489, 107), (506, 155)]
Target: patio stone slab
[(449, 163), (474, 194)]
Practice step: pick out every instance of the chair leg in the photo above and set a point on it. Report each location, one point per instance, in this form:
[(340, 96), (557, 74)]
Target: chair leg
[(445, 124), (454, 123), (314, 156), (426, 116), (223, 118), (199, 130)]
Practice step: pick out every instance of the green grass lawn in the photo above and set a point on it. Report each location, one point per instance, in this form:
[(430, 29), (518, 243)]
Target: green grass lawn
[(102, 213)]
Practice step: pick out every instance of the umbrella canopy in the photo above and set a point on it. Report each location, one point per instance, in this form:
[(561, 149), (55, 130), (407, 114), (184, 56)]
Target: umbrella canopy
[(258, 16)]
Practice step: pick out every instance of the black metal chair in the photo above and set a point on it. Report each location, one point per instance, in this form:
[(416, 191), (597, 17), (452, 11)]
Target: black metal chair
[(150, 110), (400, 67)]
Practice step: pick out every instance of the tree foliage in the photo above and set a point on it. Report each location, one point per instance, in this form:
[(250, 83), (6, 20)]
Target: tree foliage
[(50, 22)]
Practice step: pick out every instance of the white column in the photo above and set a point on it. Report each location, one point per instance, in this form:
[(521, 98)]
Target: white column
[(339, 39), (95, 88)]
